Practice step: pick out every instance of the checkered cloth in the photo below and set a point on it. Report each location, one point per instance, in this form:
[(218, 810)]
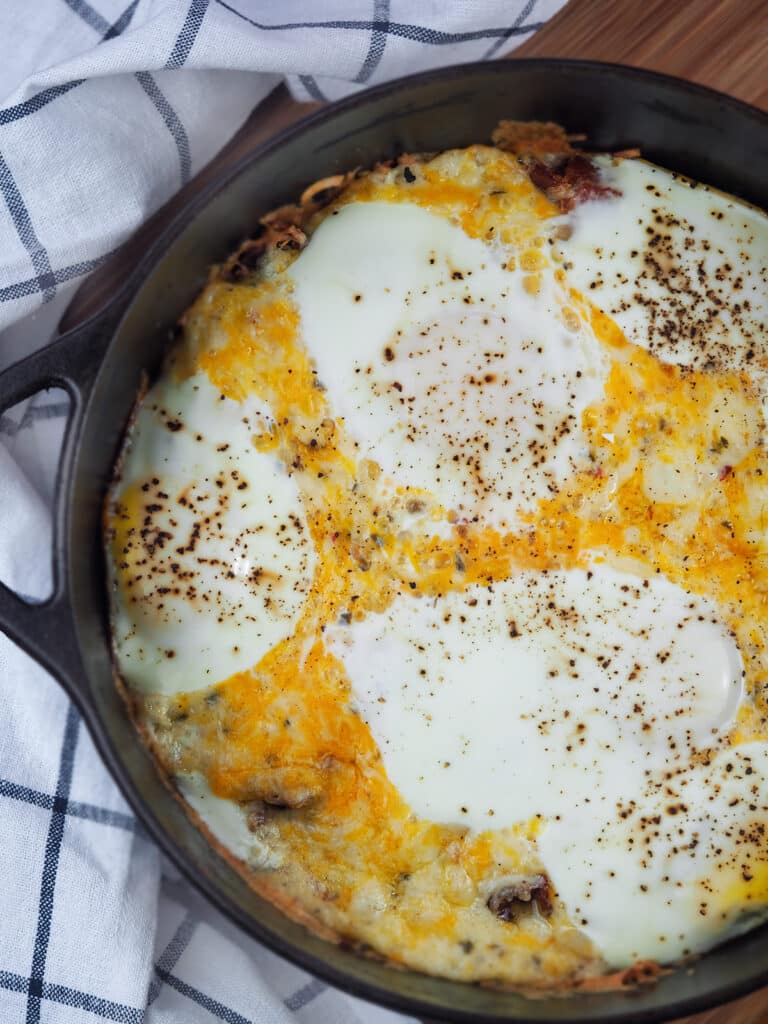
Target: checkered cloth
[(109, 107)]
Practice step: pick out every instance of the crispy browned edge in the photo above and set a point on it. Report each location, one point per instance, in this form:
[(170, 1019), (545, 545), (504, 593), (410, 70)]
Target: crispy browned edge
[(534, 138), (292, 908), (282, 228)]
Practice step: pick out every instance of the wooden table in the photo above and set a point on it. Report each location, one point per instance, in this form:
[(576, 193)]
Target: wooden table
[(720, 43)]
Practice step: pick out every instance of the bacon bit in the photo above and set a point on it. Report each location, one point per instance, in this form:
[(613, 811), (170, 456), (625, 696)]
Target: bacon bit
[(334, 536), (569, 182), (256, 815), (627, 154), (542, 176), (725, 472), (598, 472), (580, 170), (506, 902)]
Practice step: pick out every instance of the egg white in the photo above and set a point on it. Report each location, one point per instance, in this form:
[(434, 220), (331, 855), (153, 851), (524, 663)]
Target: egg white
[(227, 822), (219, 573), (542, 694), (563, 697), (658, 882), (680, 267), (444, 368), (590, 701)]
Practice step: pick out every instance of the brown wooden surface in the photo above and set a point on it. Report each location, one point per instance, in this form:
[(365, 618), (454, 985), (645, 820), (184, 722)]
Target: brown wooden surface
[(719, 43)]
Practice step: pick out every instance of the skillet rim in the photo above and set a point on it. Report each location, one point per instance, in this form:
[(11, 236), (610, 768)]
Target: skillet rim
[(496, 67)]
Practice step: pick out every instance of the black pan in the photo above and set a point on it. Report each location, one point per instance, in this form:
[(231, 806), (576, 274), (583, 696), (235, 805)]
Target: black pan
[(681, 126)]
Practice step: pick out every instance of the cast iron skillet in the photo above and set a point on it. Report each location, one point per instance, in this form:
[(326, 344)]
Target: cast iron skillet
[(681, 126)]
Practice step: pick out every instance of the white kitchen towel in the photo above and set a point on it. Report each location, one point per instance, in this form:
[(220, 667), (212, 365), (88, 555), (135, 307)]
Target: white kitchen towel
[(106, 108)]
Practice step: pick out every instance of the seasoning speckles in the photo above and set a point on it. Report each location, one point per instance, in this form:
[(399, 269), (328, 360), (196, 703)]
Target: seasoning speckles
[(454, 375), (601, 680), (687, 856), (682, 270), (212, 555), (470, 584)]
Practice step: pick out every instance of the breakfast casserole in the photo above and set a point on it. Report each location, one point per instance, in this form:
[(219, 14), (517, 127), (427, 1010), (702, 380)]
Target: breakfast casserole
[(438, 563)]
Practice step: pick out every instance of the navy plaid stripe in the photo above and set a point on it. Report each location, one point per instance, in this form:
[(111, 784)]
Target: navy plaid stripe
[(519, 20), (32, 284), (101, 25), (51, 863), (122, 22), (60, 805), (89, 15), (312, 87), (46, 280), (378, 41), (306, 994), (105, 1008), (67, 996), (104, 816), (75, 808), (172, 121), (13, 982), (171, 955), (26, 232), (186, 38), (29, 796), (418, 33), (213, 1006), (35, 103), (21, 110)]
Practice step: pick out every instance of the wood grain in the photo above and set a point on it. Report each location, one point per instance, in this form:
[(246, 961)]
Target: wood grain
[(752, 1010), (719, 43)]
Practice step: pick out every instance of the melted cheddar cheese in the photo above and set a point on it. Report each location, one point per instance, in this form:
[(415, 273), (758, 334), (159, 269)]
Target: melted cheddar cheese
[(671, 484)]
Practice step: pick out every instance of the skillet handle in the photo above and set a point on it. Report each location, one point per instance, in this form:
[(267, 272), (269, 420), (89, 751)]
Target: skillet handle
[(46, 630)]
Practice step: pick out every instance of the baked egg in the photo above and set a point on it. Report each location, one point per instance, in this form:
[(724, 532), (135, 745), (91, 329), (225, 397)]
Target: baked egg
[(438, 563)]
